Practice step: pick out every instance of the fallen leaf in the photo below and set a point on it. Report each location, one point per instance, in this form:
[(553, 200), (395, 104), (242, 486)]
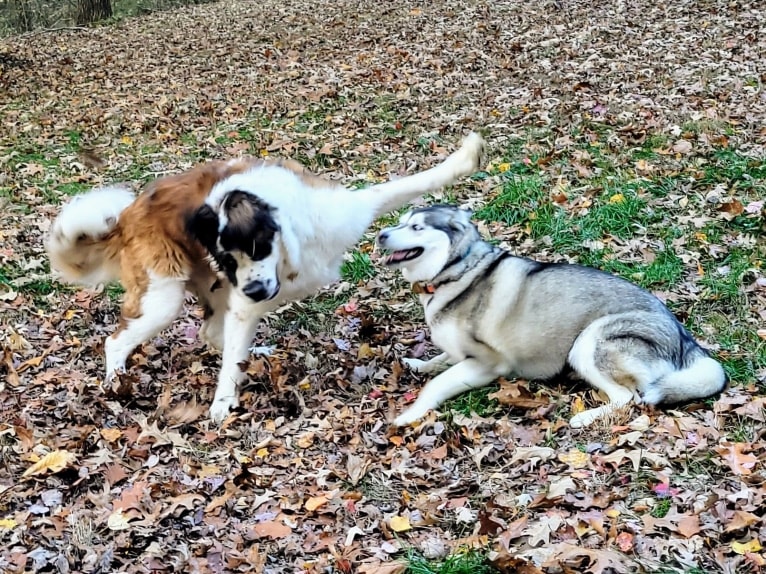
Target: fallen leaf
[(746, 547), (111, 434), (741, 519), (688, 526), (625, 541), (54, 461), (733, 453), (682, 146), (315, 502), (118, 521), (272, 529), (575, 458), (399, 523)]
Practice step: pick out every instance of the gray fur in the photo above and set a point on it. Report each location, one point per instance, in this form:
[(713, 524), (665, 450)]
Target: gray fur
[(512, 315)]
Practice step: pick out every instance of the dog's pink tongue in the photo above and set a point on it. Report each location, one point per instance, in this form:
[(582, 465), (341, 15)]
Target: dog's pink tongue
[(397, 256)]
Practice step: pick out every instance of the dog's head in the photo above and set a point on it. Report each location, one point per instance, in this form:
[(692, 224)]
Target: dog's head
[(427, 240), (243, 239)]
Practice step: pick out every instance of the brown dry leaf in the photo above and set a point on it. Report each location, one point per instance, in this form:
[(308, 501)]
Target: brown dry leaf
[(739, 461), (377, 567), (688, 526), (596, 561), (315, 502), (111, 434), (272, 529), (625, 541), (186, 412), (575, 458), (741, 519), (516, 394), (505, 562), (53, 462), (732, 208)]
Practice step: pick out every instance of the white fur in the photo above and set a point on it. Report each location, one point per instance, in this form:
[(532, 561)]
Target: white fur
[(317, 226), (92, 215), (582, 360), (704, 377), (160, 304)]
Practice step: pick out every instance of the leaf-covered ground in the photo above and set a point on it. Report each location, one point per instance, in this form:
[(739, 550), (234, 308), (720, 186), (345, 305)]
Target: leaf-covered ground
[(623, 135)]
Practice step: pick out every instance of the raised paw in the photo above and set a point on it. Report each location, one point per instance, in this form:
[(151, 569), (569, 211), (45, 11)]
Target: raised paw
[(220, 408)]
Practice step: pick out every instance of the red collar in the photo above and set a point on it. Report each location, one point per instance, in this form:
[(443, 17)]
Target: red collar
[(423, 288)]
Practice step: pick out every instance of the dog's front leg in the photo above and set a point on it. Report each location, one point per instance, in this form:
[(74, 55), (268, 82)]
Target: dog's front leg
[(464, 376), (435, 365), (240, 323)]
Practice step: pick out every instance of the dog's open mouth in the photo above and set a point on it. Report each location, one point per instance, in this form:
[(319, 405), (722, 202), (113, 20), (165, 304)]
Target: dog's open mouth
[(403, 255)]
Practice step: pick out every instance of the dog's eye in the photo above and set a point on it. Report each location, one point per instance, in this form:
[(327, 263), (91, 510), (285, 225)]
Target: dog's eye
[(416, 227)]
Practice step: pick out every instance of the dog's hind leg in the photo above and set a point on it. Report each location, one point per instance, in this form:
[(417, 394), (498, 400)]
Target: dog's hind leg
[(436, 365), (464, 376), (385, 197), (599, 361), (240, 323), (145, 312)]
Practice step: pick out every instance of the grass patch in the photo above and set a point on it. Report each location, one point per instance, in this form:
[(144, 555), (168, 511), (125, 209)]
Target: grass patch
[(357, 269), (476, 401), (622, 218), (469, 561), (661, 509)]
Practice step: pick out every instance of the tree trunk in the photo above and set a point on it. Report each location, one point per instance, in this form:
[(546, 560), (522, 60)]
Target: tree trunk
[(89, 11)]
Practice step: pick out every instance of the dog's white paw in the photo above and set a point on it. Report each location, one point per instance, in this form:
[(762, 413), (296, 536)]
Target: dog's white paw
[(470, 153), (264, 350), (220, 408), (585, 418), (411, 415), (414, 365)]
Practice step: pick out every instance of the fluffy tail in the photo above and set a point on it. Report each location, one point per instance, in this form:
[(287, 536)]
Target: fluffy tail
[(78, 243), (702, 378), (393, 194)]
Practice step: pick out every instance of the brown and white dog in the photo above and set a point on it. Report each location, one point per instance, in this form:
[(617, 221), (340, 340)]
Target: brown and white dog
[(274, 231)]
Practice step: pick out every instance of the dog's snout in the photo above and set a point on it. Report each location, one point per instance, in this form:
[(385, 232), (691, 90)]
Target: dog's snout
[(256, 290), (382, 237)]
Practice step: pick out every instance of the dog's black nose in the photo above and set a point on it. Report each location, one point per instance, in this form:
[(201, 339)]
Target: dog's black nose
[(382, 237), (256, 291)]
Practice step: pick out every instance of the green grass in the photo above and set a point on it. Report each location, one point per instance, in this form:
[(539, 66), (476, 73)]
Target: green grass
[(476, 401), (467, 562), (619, 219), (662, 508), (359, 268)]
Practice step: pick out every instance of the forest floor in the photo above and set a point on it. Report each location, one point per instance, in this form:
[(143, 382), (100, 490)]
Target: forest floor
[(628, 136)]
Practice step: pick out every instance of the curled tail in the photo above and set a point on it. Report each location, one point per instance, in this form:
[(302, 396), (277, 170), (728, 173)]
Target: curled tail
[(78, 244), (701, 377)]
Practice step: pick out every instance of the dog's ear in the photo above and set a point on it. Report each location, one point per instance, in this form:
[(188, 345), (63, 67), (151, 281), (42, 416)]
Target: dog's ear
[(461, 219), (250, 225), (203, 226)]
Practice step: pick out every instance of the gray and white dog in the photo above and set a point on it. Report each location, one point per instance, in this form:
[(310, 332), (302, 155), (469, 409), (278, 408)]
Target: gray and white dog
[(494, 314)]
